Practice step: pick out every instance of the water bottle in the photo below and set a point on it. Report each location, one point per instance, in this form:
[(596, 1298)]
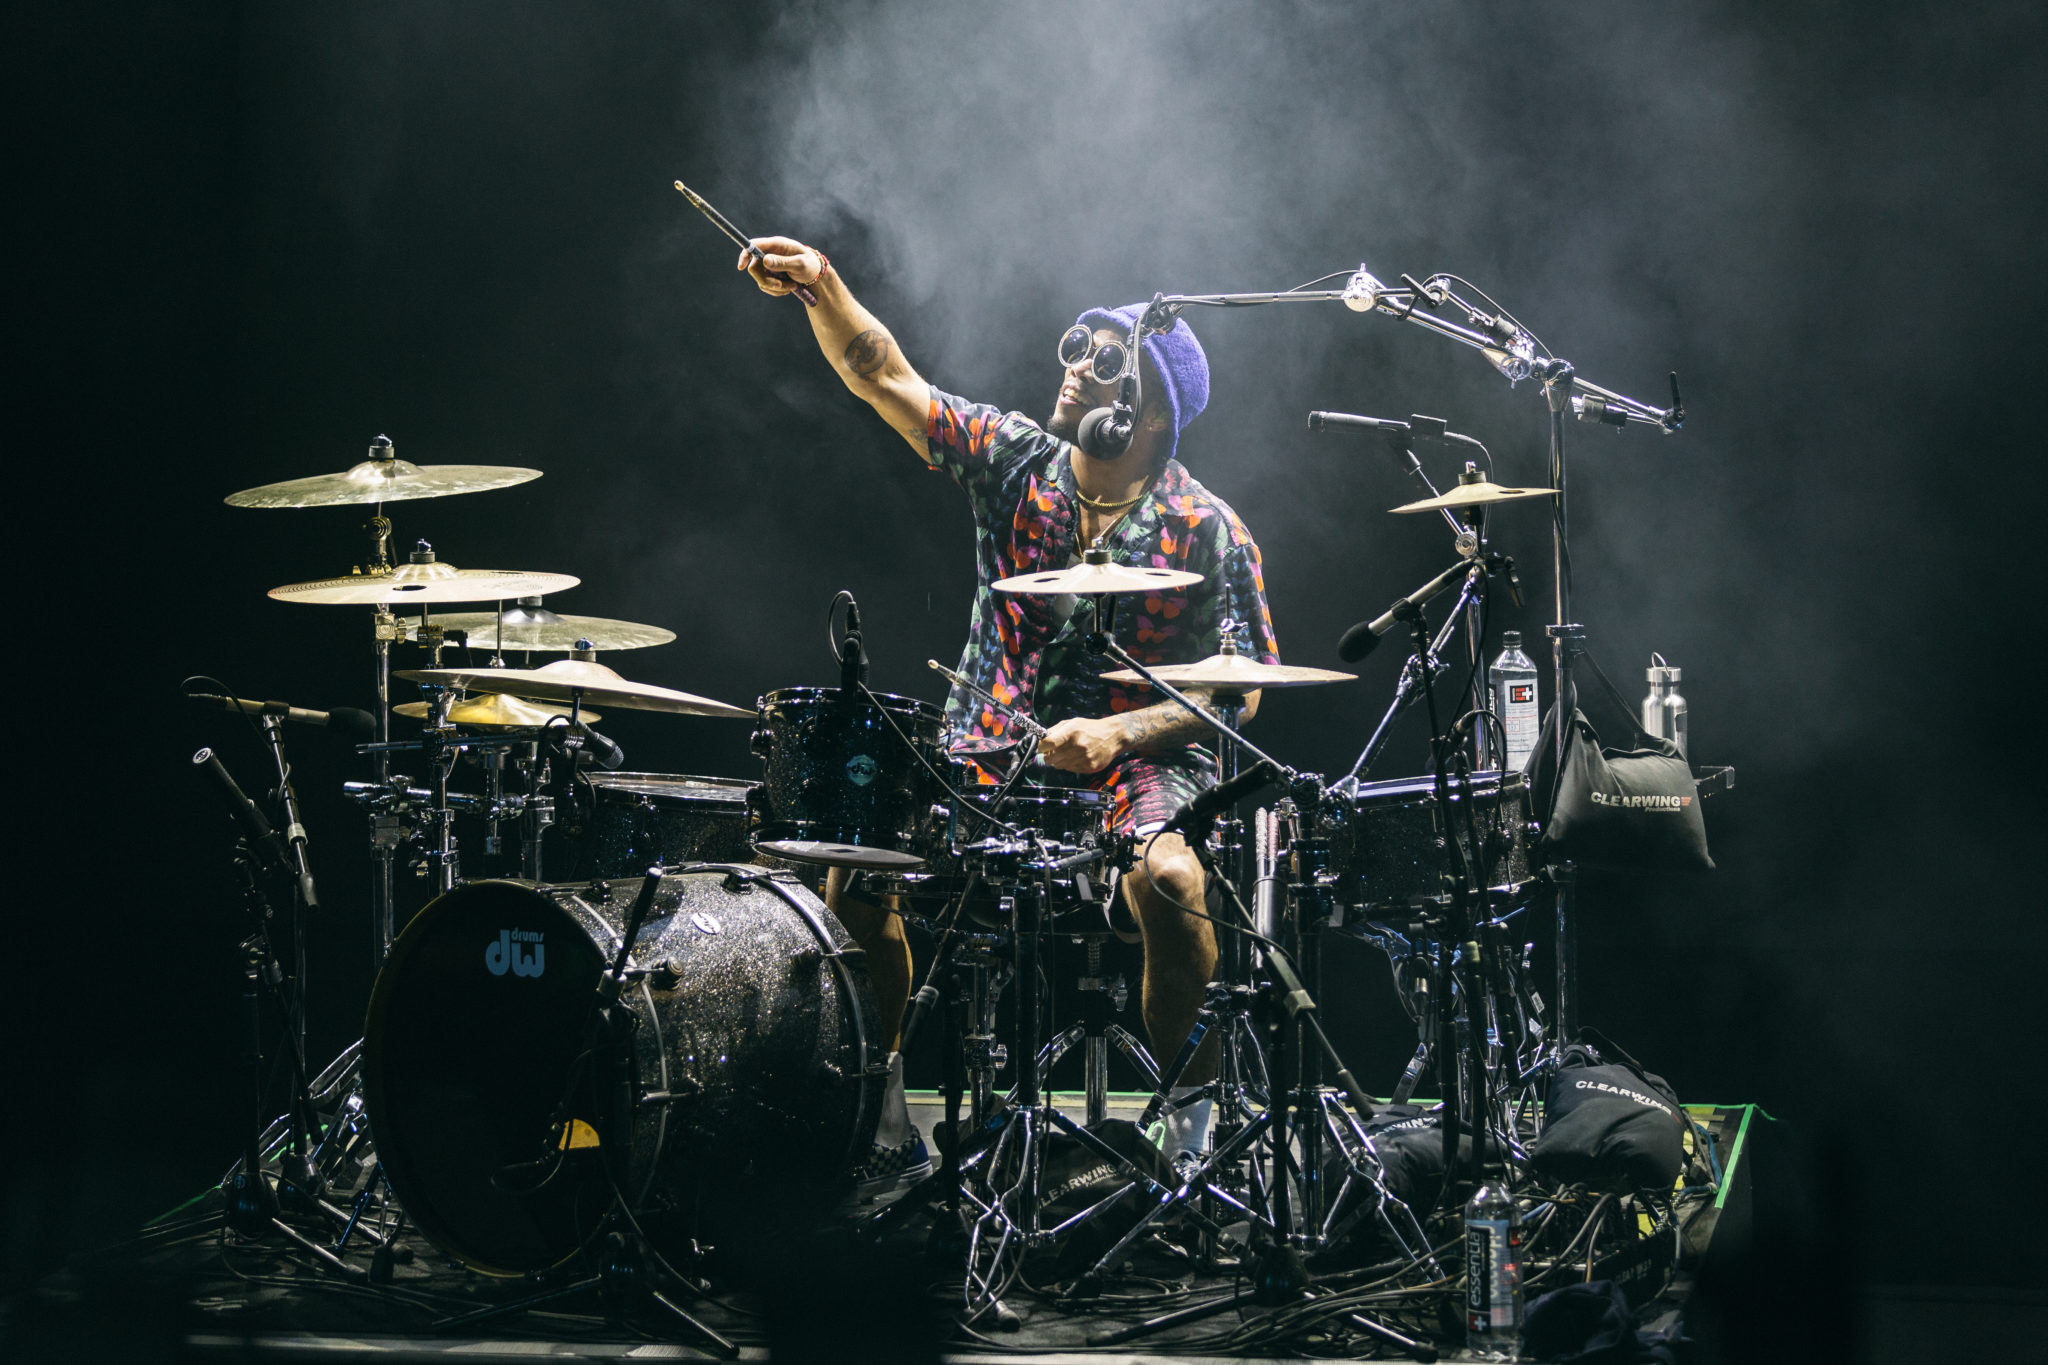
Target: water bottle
[(1514, 700), (1664, 709), (1493, 1273)]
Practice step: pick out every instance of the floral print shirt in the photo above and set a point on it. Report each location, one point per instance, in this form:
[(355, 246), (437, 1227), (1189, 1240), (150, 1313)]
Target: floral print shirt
[(1028, 650)]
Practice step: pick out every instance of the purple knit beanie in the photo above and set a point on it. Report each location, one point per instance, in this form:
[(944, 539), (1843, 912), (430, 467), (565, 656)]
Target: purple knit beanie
[(1177, 359)]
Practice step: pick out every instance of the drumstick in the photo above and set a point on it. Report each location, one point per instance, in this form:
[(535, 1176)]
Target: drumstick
[(724, 225), (1024, 722)]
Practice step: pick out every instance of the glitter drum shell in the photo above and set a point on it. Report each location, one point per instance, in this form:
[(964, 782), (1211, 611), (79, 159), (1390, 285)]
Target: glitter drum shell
[(741, 1083)]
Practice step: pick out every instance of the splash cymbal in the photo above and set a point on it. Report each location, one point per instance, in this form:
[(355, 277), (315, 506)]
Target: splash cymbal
[(493, 711), (382, 478), (1482, 493), (571, 679), (1235, 673)]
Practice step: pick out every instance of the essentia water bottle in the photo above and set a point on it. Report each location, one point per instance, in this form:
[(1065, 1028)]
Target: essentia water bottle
[(1493, 1273), (1514, 700)]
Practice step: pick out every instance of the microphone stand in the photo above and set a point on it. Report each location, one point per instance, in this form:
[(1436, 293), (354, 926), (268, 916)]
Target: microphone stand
[(1512, 350)]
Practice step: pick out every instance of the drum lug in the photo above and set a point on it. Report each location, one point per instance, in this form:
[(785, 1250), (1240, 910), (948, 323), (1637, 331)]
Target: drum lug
[(761, 741)]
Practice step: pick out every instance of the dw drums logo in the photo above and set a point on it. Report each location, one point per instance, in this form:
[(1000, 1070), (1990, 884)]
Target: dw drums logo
[(519, 951), (861, 770)]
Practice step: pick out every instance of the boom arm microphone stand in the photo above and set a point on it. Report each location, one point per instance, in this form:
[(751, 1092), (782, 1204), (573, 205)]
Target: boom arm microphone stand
[(1511, 349)]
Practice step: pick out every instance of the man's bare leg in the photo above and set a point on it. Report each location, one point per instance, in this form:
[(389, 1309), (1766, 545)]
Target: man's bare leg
[(1180, 950), (878, 929)]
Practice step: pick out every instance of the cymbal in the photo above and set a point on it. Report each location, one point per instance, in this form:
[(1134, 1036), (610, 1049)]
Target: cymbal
[(1097, 577), (530, 626), (1483, 493), (493, 710), (427, 582), (382, 478), (568, 679), (1235, 673)]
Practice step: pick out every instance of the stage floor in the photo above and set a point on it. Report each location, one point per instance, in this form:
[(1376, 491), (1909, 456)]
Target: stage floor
[(183, 1291)]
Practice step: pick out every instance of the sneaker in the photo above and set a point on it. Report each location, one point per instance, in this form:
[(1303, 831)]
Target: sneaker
[(891, 1170)]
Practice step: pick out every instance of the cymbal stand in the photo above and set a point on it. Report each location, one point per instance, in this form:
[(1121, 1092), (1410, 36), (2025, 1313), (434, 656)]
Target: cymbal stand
[(386, 834)]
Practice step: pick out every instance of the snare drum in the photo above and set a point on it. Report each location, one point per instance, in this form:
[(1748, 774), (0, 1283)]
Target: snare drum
[(847, 782), (1387, 847), (638, 819), (1074, 816)]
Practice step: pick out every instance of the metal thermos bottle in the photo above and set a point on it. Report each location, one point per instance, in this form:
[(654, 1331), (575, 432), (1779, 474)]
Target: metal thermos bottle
[(1664, 709)]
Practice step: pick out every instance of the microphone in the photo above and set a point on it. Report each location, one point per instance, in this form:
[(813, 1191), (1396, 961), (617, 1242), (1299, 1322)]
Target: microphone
[(1416, 428), (1103, 435), (1363, 638), (345, 720), (853, 659), (262, 837), (577, 736), (1205, 806)]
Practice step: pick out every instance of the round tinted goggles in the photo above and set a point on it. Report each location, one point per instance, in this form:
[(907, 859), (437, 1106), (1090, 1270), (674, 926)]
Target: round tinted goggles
[(1107, 362)]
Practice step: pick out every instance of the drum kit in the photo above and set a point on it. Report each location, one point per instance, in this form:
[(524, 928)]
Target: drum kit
[(681, 1035)]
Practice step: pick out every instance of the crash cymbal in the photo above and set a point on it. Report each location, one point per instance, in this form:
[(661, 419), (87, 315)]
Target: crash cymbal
[(568, 679), (1095, 574), (382, 478), (425, 579), (530, 626), (1235, 673), (493, 710), (1482, 493)]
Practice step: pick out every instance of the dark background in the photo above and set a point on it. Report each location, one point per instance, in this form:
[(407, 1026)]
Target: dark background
[(250, 238)]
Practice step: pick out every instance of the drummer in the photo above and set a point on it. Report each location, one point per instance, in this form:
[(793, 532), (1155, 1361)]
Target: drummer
[(1038, 500)]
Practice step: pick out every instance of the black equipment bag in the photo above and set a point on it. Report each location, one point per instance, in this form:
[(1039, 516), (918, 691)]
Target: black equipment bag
[(1609, 1124), (1627, 809), (1076, 1177)]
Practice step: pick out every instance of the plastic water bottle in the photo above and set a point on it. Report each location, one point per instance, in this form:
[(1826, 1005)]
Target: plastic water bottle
[(1664, 709), (1514, 700), (1493, 1273)]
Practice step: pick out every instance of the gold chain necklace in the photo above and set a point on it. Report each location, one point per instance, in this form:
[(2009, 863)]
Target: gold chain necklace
[(1089, 502)]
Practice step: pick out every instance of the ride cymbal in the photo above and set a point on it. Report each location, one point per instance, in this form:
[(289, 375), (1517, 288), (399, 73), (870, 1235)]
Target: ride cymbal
[(531, 627), (571, 679), (382, 478), (425, 579)]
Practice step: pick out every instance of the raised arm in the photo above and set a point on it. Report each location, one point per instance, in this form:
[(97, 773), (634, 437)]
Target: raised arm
[(860, 348)]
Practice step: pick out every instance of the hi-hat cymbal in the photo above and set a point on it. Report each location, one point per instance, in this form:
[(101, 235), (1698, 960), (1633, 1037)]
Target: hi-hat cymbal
[(569, 679), (493, 710), (1097, 576), (1482, 493), (530, 626), (382, 478), (424, 580), (1235, 673)]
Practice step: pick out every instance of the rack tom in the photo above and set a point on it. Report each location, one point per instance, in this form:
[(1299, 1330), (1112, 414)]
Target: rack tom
[(1387, 843), (849, 782)]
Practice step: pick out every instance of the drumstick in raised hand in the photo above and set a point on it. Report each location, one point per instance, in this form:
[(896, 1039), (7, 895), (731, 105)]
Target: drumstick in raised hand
[(740, 239)]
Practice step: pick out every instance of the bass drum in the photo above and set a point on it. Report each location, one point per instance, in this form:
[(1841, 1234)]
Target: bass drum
[(743, 1076)]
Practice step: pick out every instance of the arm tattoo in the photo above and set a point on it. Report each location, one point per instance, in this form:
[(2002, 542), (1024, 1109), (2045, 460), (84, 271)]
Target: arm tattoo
[(868, 352), (1163, 726)]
